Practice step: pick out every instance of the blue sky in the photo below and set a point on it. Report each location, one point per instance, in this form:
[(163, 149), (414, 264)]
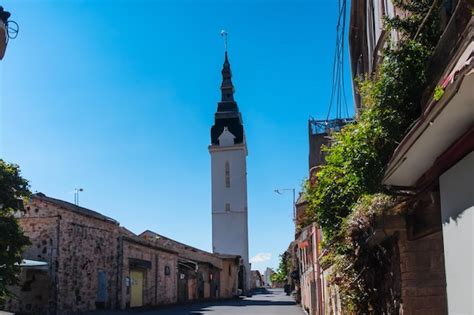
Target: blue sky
[(118, 97)]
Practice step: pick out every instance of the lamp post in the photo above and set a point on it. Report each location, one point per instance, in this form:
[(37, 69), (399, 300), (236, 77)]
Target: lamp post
[(8, 30), (281, 191), (76, 195)]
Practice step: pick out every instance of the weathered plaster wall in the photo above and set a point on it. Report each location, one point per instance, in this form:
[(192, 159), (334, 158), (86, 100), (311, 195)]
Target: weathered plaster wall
[(228, 278)]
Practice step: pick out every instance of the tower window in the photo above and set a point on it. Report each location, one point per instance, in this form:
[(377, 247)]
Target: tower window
[(227, 207), (227, 174)]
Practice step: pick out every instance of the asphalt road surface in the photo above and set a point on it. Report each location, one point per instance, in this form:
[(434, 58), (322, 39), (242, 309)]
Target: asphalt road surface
[(271, 302)]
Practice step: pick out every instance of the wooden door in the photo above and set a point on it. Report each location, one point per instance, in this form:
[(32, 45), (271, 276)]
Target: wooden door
[(136, 283)]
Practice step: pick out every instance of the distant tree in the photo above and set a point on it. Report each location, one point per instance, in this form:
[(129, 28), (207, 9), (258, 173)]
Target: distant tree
[(13, 189), (283, 269)]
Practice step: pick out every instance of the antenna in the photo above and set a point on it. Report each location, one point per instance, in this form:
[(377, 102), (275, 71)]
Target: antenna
[(224, 34)]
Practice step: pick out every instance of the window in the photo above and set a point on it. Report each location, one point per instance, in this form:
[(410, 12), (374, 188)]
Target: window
[(227, 174), (227, 207)]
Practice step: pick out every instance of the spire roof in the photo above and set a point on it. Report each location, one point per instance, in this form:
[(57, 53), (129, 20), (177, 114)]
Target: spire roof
[(227, 115), (227, 88)]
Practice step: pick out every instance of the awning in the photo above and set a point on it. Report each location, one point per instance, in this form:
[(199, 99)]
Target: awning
[(33, 264), (442, 124)]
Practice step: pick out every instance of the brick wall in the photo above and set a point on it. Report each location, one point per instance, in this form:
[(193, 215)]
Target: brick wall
[(423, 282)]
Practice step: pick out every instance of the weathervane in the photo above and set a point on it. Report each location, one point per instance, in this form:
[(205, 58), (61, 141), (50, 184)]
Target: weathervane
[(224, 34)]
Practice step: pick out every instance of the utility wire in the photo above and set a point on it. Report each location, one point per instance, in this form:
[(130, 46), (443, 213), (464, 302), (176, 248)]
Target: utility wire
[(338, 101)]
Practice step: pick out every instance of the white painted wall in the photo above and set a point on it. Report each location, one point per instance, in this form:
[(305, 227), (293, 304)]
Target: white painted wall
[(457, 210), (230, 226)]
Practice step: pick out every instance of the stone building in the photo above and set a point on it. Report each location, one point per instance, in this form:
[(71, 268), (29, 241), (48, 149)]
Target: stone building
[(92, 263), (256, 280), (148, 272), (202, 275)]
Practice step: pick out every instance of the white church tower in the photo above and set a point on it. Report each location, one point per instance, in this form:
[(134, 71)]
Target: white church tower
[(228, 151)]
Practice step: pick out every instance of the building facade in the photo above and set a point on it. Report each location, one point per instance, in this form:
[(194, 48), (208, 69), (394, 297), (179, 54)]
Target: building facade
[(201, 275), (228, 151), (432, 261), (80, 260)]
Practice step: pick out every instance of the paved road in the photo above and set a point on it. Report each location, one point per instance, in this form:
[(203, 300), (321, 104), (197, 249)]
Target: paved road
[(272, 302)]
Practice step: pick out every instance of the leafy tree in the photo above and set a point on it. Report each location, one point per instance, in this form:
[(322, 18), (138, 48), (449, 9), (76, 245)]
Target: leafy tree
[(13, 189), (283, 268)]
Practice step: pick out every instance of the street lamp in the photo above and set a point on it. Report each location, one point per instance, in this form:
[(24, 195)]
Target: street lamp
[(76, 195), (281, 191), (8, 30)]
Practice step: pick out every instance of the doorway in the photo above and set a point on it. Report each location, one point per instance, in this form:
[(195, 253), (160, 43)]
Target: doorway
[(136, 283)]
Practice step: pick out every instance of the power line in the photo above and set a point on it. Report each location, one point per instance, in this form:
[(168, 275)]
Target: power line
[(338, 101)]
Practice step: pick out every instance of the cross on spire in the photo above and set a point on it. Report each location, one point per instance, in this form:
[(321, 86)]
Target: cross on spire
[(224, 34), (227, 88)]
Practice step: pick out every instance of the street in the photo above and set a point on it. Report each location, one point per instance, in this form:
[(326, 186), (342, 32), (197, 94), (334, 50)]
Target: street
[(271, 302)]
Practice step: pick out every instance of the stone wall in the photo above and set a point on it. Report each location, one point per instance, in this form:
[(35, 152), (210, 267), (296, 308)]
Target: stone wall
[(76, 247), (87, 262), (160, 285), (87, 249), (33, 295), (30, 295)]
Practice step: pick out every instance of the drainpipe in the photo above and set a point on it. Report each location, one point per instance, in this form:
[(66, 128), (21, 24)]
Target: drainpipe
[(156, 279), (57, 266), (118, 298)]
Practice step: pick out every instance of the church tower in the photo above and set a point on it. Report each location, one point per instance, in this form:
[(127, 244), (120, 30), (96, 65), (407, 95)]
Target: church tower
[(228, 151)]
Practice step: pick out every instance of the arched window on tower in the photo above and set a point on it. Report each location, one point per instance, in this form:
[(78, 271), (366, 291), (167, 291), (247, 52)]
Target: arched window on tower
[(227, 174)]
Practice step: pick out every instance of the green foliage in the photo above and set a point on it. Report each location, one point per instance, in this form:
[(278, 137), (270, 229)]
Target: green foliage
[(360, 151), (358, 266), (438, 93), (13, 188), (347, 195), (281, 274)]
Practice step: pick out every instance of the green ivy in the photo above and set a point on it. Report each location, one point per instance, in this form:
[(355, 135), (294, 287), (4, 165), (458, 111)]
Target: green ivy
[(351, 179)]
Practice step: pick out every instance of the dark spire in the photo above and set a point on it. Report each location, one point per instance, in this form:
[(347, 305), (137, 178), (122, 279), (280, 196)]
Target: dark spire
[(227, 88), (227, 114)]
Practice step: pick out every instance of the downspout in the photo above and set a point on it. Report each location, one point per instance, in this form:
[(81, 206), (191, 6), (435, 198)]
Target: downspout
[(119, 284), (156, 279), (56, 266)]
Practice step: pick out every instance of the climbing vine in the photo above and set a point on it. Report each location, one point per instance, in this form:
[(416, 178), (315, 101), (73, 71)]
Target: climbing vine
[(348, 193)]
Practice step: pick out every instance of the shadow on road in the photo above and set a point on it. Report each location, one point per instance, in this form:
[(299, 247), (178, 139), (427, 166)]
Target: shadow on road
[(261, 297)]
